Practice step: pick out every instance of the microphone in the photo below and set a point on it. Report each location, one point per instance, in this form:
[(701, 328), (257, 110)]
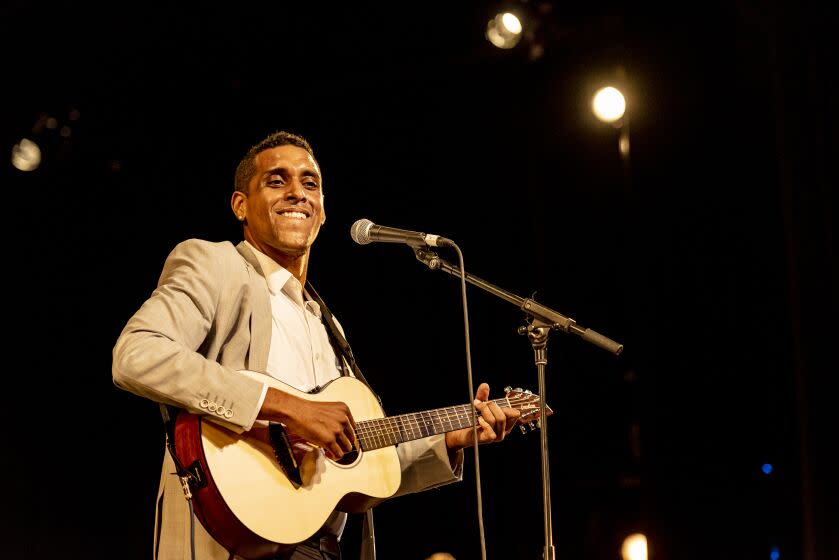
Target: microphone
[(364, 231)]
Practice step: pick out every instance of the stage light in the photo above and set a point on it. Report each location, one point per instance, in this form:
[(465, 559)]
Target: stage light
[(767, 468), (634, 547), (26, 155), (504, 30), (608, 104)]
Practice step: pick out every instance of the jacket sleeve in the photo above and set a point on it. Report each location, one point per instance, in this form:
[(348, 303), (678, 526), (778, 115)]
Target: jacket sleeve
[(160, 352), (425, 465)]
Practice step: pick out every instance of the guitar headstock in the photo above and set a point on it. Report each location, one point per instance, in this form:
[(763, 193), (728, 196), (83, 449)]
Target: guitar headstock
[(528, 404)]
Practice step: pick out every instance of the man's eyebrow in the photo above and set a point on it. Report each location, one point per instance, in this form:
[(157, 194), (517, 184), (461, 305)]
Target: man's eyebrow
[(282, 170)]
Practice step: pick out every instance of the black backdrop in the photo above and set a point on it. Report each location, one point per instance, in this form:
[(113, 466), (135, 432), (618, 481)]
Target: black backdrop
[(710, 256)]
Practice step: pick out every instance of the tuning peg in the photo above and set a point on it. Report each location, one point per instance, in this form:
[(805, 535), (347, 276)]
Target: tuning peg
[(527, 392), (522, 428), (507, 389), (519, 389), (532, 426)]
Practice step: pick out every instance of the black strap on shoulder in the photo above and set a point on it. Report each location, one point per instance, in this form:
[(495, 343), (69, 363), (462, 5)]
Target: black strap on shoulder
[(339, 342)]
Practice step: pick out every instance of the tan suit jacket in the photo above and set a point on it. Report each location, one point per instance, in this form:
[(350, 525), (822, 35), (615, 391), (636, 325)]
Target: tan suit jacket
[(208, 318)]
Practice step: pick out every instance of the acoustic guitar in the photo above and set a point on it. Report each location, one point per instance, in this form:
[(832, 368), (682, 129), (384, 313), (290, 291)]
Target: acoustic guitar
[(259, 497)]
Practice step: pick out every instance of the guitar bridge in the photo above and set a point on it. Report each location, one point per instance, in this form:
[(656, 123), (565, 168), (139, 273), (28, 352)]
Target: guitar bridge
[(284, 453)]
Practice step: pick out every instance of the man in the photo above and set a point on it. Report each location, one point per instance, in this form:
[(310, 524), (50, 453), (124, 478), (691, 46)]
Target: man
[(220, 310)]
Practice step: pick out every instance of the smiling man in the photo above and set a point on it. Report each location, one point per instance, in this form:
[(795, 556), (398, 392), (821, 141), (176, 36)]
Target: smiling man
[(235, 335)]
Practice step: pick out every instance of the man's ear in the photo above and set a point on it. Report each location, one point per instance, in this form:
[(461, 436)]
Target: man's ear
[(238, 203)]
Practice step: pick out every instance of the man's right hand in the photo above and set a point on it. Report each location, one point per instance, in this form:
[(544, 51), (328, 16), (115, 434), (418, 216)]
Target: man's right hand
[(328, 425)]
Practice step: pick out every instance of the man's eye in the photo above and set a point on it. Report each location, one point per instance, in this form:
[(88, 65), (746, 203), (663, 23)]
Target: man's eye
[(311, 184), (275, 182)]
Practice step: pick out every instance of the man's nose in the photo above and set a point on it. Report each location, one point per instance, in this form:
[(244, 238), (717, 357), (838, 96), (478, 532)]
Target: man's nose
[(295, 189)]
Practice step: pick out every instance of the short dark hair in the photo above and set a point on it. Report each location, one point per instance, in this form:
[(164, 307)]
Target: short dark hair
[(246, 167)]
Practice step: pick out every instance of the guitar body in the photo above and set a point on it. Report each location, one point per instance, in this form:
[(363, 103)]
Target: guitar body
[(246, 501), (259, 506)]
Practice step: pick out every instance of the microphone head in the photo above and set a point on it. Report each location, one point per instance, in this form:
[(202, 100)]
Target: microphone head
[(360, 231)]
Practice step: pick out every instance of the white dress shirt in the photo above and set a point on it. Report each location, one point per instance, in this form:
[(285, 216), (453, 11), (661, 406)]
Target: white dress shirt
[(300, 354)]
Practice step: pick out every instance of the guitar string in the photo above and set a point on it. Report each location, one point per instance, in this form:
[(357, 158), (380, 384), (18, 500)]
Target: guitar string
[(395, 434), (460, 410), (460, 413), (378, 426), (500, 402), (381, 432)]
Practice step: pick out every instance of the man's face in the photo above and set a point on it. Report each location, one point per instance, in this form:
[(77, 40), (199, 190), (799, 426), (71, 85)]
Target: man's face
[(284, 206)]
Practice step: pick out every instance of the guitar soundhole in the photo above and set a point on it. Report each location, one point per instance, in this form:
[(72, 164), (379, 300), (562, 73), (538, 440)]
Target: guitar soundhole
[(348, 458)]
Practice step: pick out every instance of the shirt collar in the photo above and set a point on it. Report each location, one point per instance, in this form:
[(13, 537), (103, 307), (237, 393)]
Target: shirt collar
[(280, 280)]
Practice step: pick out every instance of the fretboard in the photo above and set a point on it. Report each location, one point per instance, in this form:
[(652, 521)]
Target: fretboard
[(382, 432)]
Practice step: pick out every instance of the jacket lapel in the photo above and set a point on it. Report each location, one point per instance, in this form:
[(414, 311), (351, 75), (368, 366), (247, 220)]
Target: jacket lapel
[(260, 312)]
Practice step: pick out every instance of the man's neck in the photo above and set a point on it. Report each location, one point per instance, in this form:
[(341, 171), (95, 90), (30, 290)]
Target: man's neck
[(297, 265)]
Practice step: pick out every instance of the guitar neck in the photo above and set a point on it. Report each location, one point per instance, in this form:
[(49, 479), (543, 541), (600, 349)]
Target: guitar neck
[(383, 432)]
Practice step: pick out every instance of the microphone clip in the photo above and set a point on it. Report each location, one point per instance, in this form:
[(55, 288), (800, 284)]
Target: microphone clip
[(427, 256)]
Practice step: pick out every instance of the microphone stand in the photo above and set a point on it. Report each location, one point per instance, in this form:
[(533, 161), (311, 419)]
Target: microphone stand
[(542, 321)]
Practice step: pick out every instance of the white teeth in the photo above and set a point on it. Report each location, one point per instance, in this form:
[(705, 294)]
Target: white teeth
[(297, 215)]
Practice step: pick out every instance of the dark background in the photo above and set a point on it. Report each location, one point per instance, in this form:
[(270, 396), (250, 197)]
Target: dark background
[(710, 254)]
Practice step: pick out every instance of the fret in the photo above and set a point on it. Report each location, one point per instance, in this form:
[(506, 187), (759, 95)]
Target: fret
[(425, 424), (383, 432), (413, 426), (444, 423), (452, 416), (392, 430), (403, 433), (380, 439)]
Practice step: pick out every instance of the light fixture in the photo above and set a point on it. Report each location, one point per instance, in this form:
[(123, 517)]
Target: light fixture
[(634, 547), (608, 104), (26, 155), (504, 30)]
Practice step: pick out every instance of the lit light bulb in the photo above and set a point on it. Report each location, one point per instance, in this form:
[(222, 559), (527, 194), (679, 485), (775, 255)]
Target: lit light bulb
[(608, 104), (504, 30), (26, 155), (634, 547)]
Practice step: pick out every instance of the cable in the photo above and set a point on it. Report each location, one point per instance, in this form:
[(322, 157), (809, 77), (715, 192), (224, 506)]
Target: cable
[(191, 529), (184, 475), (471, 397)]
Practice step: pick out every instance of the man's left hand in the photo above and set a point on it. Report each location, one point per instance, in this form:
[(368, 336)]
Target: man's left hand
[(494, 422)]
